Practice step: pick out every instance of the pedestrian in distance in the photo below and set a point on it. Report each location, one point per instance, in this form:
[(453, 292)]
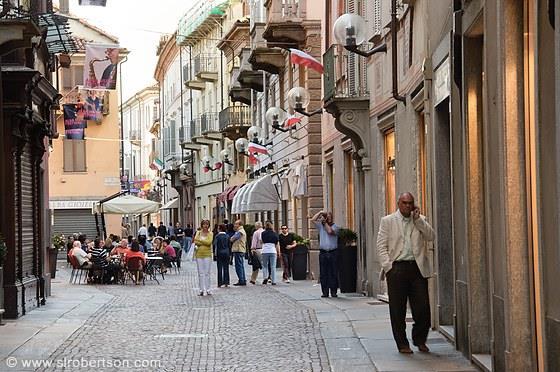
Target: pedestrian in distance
[(270, 253), (178, 249), (143, 231), (188, 238), (238, 248), (256, 251), (161, 231), (152, 231), (179, 233), (405, 262), (287, 245), (203, 255), (222, 253), (170, 230), (328, 252), (124, 230)]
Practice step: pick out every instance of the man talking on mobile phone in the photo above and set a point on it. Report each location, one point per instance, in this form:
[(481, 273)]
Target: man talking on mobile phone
[(328, 253), (404, 257)]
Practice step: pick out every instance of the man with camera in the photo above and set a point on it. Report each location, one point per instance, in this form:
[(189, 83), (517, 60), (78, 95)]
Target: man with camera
[(328, 253), (405, 259)]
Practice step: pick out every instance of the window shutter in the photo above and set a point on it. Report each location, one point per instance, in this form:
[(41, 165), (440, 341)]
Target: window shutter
[(105, 108), (79, 155), (78, 75), (68, 155), (67, 78)]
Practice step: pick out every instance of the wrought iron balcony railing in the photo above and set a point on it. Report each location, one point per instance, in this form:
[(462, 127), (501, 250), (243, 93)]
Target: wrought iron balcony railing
[(209, 123), (285, 10), (345, 74), (235, 117)]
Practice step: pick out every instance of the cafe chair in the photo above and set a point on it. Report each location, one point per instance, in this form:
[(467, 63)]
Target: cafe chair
[(134, 270)]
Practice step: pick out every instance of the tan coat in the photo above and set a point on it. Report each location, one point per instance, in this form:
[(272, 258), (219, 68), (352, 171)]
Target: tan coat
[(240, 244), (390, 243)]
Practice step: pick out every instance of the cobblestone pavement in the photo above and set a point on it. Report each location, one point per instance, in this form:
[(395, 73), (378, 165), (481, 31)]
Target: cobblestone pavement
[(168, 327)]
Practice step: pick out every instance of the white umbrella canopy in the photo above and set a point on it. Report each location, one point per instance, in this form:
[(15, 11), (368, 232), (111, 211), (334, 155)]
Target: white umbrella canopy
[(127, 204)]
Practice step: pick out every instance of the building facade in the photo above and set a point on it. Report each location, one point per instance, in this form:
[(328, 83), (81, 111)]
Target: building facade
[(79, 177), (459, 111), (141, 149), (28, 101)]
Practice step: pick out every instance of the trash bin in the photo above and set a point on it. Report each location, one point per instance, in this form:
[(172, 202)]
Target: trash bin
[(347, 273), (53, 253), (299, 263)]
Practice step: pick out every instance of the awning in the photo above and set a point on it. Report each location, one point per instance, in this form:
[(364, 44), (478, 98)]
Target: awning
[(224, 195), (171, 204), (127, 204), (233, 191), (258, 196)]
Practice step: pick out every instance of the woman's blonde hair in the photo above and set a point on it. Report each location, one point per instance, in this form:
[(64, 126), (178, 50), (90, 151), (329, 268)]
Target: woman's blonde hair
[(205, 222)]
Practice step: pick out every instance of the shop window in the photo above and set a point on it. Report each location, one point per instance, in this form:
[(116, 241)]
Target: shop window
[(390, 172), (74, 155)]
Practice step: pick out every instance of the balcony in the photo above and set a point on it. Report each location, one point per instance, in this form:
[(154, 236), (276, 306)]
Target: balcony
[(205, 67), (234, 121), (209, 123), (249, 78), (236, 92), (203, 16), (263, 57), (135, 137), (285, 22), (346, 96)]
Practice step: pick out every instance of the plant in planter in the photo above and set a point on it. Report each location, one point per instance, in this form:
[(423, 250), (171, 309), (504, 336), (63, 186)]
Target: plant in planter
[(300, 264), (347, 261), (347, 237), (58, 241), (301, 240)]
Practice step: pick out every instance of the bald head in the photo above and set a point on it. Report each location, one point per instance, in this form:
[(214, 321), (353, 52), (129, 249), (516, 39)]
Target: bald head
[(258, 225), (406, 203)]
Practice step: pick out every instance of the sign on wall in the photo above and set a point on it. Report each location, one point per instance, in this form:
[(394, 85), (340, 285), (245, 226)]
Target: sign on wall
[(100, 68)]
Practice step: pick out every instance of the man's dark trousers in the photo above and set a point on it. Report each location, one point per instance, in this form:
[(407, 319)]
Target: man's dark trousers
[(404, 281), (328, 267), (222, 262)]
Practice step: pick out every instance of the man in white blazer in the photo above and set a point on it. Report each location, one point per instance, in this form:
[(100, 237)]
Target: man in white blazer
[(404, 257)]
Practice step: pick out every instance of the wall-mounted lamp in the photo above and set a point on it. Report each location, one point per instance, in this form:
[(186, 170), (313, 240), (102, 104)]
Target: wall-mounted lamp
[(350, 31), (275, 117), (224, 155), (298, 99), (253, 134), (241, 145), (207, 162)]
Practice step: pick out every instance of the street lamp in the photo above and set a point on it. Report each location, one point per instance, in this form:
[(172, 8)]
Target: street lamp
[(241, 145), (224, 155), (350, 31), (207, 162), (253, 134), (274, 116), (298, 99)]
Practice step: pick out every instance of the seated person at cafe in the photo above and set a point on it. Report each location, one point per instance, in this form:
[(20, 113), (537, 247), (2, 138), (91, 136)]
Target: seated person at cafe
[(100, 260), (108, 245), (145, 244), (168, 253), (121, 249), (135, 252), (178, 249), (81, 256)]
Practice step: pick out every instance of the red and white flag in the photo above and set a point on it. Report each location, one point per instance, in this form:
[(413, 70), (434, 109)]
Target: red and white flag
[(253, 159), (291, 121), (301, 58), (255, 148)]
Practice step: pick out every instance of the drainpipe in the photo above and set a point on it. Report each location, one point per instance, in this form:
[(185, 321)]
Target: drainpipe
[(394, 52), (122, 124)]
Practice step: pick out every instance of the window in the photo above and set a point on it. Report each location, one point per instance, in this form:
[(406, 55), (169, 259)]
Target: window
[(74, 155), (330, 186), (73, 76), (390, 172), (349, 169)]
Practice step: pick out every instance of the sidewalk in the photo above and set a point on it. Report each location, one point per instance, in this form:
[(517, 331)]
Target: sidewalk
[(40, 332), (358, 337)]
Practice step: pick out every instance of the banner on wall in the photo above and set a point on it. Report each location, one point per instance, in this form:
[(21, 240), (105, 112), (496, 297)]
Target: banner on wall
[(93, 2), (100, 68), (74, 123), (92, 104)]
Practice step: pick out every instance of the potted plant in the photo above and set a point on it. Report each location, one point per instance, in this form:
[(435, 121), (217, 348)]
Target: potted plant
[(299, 263), (3, 253), (58, 242), (347, 260)]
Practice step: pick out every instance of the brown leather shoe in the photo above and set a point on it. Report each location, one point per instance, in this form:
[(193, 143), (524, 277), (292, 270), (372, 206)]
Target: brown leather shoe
[(405, 350), (423, 348)]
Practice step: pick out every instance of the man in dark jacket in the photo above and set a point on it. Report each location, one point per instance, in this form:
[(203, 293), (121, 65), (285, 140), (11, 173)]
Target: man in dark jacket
[(222, 254), (152, 230), (162, 230)]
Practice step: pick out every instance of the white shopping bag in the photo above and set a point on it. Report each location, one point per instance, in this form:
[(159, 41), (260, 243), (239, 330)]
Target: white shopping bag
[(190, 253)]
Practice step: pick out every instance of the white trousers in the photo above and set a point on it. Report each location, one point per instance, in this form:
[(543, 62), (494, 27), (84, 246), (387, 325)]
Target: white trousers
[(203, 266)]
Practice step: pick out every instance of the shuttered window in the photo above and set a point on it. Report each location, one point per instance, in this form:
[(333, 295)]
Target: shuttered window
[(28, 219), (74, 155)]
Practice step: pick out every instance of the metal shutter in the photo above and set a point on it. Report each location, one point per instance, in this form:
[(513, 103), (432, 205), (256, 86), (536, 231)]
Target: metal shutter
[(28, 247), (74, 221)]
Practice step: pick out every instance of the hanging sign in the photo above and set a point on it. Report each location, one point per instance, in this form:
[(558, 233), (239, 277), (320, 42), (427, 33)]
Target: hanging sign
[(92, 101), (93, 2), (100, 68), (74, 122)]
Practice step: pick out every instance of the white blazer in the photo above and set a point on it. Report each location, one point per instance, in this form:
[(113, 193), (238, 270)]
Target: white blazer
[(390, 243)]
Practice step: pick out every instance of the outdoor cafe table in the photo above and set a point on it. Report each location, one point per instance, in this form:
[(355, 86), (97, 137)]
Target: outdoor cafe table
[(153, 266)]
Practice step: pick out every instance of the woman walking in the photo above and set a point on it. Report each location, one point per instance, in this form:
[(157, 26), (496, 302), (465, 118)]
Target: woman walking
[(203, 255), (270, 252)]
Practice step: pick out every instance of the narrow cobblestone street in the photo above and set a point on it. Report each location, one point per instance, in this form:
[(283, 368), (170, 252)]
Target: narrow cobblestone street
[(235, 329), (168, 327)]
